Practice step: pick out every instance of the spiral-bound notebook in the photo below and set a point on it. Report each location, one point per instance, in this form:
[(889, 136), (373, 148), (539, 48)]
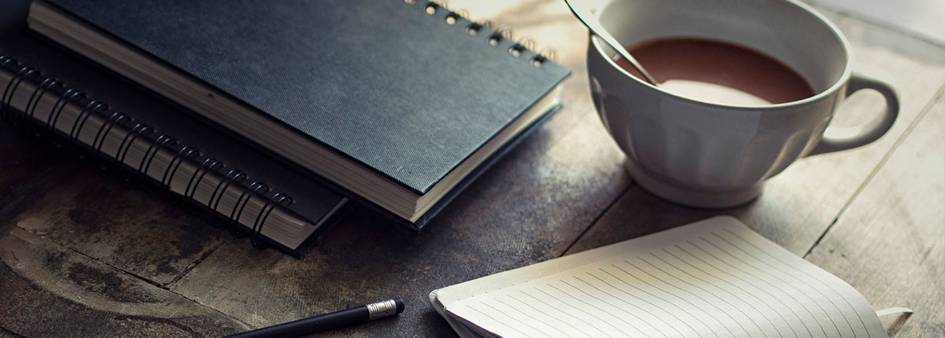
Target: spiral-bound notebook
[(401, 103), (69, 98)]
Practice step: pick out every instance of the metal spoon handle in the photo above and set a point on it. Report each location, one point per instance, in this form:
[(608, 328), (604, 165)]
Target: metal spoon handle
[(597, 29)]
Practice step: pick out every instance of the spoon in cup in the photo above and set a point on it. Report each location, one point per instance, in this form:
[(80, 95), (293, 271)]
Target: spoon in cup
[(596, 28)]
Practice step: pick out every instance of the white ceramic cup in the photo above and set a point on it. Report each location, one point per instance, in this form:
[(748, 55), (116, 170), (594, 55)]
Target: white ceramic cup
[(712, 155)]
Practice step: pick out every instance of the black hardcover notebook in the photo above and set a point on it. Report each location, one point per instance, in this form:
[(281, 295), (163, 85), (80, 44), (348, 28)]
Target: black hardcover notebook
[(46, 87), (398, 102)]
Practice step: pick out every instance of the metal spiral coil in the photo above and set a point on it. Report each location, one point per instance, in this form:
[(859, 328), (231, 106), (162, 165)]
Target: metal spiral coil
[(495, 34), (44, 85)]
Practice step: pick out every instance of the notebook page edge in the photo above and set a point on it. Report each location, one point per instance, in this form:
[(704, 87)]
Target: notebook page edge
[(461, 329), (510, 278), (840, 287)]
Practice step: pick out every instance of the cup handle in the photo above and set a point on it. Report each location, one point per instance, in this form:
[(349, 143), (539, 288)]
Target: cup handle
[(837, 139)]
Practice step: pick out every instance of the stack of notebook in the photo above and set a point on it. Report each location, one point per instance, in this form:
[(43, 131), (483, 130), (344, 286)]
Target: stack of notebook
[(281, 112)]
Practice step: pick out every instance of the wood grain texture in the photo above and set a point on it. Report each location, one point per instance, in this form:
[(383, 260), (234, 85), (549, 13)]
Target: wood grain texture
[(50, 291), (890, 243), (122, 224), (4, 333), (801, 202)]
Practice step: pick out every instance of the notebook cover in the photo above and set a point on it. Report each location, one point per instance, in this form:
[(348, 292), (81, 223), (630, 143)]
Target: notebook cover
[(313, 201), (379, 81), (488, 163)]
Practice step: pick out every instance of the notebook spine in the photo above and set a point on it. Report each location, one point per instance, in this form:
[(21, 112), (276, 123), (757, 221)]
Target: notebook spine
[(495, 34), (156, 140)]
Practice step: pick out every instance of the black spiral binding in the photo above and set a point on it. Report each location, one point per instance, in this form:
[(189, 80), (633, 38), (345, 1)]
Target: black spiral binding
[(263, 215), (241, 202), (137, 131), (259, 189), (231, 176), (102, 134), (57, 108), (209, 164), (92, 106), (8, 93), (185, 153), (162, 141), (47, 85), (495, 35)]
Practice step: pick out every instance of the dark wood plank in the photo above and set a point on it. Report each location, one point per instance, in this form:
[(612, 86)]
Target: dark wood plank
[(4, 333), (28, 169), (122, 224), (50, 291), (800, 203), (890, 243)]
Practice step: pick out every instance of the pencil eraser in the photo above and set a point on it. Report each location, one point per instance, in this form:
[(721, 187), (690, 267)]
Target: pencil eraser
[(400, 305)]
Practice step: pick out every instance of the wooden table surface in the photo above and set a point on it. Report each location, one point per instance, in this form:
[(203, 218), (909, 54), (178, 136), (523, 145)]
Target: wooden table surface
[(85, 253)]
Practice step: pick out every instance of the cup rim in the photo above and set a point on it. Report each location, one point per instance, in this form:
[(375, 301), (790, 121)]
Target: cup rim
[(840, 82)]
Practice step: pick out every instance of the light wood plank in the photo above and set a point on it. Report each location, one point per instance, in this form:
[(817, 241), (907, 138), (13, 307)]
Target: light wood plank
[(800, 203), (890, 243), (921, 18)]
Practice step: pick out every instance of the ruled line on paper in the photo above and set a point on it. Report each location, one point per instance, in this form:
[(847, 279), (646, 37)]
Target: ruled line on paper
[(657, 319), (574, 330), (706, 301), (526, 319), (496, 320), (565, 304), (689, 312), (622, 310), (734, 295), (740, 295), (805, 272), (743, 278), (591, 306), (752, 274), (630, 311), (565, 313)]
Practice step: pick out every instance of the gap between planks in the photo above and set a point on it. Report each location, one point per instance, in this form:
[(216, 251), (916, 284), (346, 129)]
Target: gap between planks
[(596, 218), (939, 94)]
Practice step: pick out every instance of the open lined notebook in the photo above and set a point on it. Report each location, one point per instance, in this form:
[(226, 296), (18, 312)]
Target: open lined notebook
[(715, 278)]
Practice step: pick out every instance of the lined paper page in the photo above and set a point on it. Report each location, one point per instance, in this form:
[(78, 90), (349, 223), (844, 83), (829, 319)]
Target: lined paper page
[(715, 278)]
